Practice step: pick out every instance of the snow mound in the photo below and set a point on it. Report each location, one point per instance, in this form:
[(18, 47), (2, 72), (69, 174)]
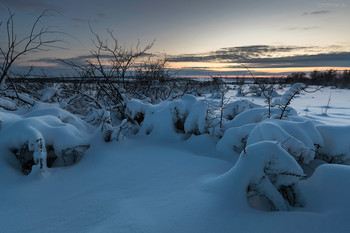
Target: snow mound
[(267, 172), (232, 109), (235, 138), (256, 115), (195, 122), (166, 119), (336, 148), (300, 139), (327, 191), (63, 115), (44, 137)]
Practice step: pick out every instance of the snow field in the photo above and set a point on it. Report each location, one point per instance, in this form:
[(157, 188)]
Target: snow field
[(169, 167)]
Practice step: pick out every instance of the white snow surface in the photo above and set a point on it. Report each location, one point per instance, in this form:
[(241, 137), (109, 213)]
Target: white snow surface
[(141, 186), (159, 181)]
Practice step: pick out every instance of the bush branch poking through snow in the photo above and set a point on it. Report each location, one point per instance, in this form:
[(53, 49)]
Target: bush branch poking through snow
[(284, 101)]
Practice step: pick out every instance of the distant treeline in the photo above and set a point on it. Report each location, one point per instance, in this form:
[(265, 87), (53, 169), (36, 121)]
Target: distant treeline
[(340, 79)]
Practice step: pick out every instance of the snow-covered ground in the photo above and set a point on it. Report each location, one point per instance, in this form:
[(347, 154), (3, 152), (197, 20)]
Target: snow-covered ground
[(313, 105), (154, 183)]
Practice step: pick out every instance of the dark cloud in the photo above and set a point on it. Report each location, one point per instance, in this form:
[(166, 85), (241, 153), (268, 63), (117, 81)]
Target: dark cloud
[(264, 56), (78, 60), (101, 15), (233, 54), (79, 20), (322, 59), (317, 12), (301, 28)]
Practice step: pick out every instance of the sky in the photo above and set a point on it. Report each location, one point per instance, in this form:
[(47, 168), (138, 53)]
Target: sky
[(198, 37)]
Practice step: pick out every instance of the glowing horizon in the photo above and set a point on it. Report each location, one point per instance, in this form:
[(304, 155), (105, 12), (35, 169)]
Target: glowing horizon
[(205, 37)]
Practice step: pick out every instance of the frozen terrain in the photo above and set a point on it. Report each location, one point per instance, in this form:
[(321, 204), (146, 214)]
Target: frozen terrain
[(313, 105), (260, 175)]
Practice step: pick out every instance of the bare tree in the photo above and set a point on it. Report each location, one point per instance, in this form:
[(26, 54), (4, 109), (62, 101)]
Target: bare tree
[(108, 66), (38, 39), (119, 58)]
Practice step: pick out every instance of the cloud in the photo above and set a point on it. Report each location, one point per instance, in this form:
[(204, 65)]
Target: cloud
[(322, 12), (101, 15), (78, 60), (301, 28), (255, 56), (323, 59), (264, 56), (233, 54), (79, 20)]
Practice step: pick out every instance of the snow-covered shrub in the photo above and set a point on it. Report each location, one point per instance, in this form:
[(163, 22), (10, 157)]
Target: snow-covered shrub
[(45, 138), (185, 115), (61, 114), (284, 101), (12, 100), (156, 120), (255, 90), (232, 109), (336, 148), (235, 138), (265, 176), (120, 131), (7, 104), (106, 126), (289, 94), (300, 139), (48, 93), (195, 122), (257, 115), (82, 104)]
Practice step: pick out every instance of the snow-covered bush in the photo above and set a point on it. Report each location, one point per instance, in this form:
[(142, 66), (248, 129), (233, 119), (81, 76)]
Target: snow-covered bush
[(48, 93), (257, 115), (186, 115), (289, 94), (7, 104), (235, 138), (265, 177), (232, 109), (284, 101), (156, 120), (300, 139), (44, 138), (195, 122)]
